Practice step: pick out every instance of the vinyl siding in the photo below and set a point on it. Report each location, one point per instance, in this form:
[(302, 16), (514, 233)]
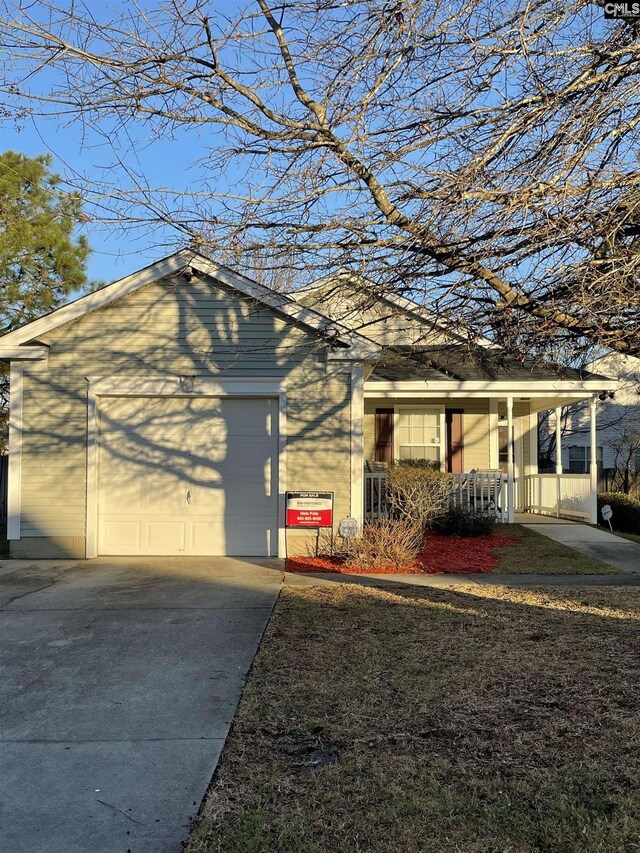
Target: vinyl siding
[(175, 328), (475, 425), (476, 433), (382, 322)]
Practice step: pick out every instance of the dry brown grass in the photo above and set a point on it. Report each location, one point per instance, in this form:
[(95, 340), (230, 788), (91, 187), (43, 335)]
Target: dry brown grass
[(480, 719), (537, 555)]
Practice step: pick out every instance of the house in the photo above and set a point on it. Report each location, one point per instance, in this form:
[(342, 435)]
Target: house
[(618, 446), (170, 412)]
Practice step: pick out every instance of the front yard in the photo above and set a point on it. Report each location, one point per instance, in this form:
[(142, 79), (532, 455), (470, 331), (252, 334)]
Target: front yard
[(480, 719), (510, 549), (535, 554)]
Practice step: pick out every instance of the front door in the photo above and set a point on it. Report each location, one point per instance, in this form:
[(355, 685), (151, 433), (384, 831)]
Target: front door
[(455, 440)]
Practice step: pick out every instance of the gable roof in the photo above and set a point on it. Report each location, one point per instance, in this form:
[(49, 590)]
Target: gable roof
[(354, 345), (405, 304), (458, 361)]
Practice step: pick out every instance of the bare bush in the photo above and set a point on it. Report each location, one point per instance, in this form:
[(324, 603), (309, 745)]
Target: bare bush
[(419, 494), (385, 544)]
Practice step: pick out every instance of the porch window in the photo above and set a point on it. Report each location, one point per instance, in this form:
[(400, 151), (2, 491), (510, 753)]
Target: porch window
[(503, 446), (580, 459), (419, 434)]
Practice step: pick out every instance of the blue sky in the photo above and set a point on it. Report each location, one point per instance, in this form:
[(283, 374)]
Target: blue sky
[(74, 150)]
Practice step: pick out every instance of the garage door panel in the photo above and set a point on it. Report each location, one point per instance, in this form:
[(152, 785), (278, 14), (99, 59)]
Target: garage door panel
[(123, 535), (165, 536), (188, 476)]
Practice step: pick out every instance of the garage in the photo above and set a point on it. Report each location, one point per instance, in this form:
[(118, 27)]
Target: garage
[(188, 475), (168, 412)]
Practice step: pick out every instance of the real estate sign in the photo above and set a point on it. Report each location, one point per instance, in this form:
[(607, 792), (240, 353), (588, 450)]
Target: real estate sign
[(309, 509)]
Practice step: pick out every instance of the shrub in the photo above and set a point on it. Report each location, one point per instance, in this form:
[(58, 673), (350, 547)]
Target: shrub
[(466, 521), (418, 463), (384, 544), (626, 511), (419, 493)]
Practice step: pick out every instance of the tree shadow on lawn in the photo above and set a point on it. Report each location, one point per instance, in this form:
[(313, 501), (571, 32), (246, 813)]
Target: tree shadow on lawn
[(474, 719)]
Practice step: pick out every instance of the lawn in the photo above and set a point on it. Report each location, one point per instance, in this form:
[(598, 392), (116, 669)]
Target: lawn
[(535, 554), (633, 537), (480, 719)]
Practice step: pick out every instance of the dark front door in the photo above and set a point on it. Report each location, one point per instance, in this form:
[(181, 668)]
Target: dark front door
[(384, 435), (455, 441)]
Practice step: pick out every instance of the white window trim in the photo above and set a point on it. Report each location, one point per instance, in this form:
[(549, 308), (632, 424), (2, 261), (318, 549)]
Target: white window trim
[(14, 486), (178, 387), (440, 410)]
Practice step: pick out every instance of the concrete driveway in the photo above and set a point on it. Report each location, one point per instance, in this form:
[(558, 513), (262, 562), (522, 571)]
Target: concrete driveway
[(119, 679)]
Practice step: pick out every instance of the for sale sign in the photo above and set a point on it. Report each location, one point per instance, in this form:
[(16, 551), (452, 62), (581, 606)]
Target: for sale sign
[(309, 509)]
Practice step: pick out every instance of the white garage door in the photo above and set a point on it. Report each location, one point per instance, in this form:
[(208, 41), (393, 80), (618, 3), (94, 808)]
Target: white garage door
[(182, 475)]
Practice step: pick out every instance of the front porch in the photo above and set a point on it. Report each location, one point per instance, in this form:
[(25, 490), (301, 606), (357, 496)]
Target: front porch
[(487, 438), (549, 498)]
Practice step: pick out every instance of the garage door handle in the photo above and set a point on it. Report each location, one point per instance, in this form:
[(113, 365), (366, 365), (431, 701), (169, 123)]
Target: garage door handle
[(188, 497)]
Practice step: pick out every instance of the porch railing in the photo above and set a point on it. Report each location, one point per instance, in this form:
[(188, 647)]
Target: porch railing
[(375, 495), (485, 490), (481, 490), (562, 495)]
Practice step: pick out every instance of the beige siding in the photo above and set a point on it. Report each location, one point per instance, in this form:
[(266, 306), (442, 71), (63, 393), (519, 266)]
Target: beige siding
[(379, 320), (173, 328), (370, 433), (475, 424), (476, 434)]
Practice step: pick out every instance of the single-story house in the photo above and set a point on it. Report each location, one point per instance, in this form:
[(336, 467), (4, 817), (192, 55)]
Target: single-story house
[(170, 412)]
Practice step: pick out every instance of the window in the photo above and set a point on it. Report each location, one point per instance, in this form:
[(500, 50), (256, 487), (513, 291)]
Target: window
[(503, 448), (419, 434), (580, 459)]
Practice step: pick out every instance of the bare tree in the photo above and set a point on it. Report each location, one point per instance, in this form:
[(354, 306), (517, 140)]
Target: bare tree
[(478, 157), (625, 476)]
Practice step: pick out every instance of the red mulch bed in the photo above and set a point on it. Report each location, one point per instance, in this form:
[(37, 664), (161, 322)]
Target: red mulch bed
[(442, 555)]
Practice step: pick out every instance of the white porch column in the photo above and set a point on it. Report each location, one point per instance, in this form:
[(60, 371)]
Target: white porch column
[(357, 443), (510, 489), (593, 468), (558, 439)]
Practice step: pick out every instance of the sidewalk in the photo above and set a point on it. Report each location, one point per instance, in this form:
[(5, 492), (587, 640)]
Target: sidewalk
[(488, 579), (620, 553)]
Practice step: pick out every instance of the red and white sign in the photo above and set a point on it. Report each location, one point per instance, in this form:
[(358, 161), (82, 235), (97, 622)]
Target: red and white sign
[(309, 509)]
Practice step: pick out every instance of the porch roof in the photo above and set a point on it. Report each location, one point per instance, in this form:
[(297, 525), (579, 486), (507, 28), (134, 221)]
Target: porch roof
[(463, 364)]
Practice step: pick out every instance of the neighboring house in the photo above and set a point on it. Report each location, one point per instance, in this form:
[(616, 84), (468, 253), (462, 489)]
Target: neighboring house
[(618, 445), (169, 412)]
